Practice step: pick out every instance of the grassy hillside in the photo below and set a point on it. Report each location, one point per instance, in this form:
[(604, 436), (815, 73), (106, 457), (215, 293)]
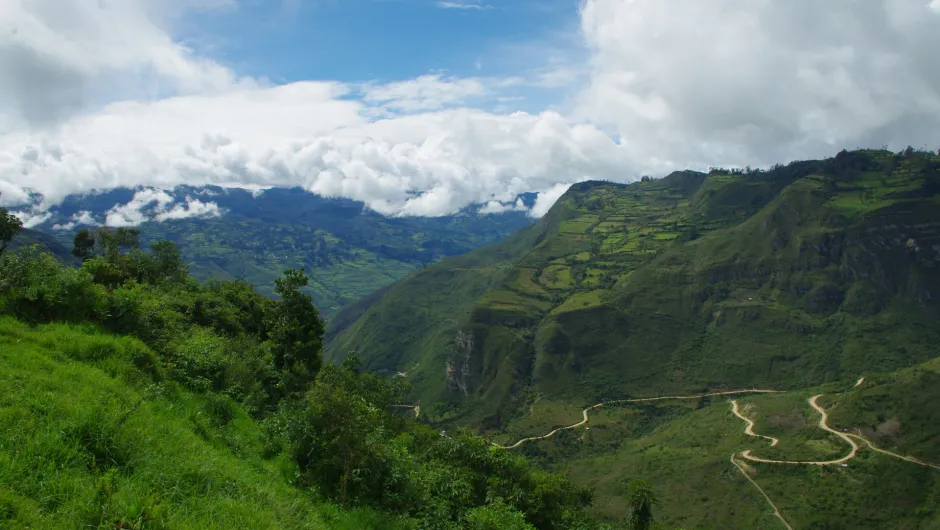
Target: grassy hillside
[(88, 440), (133, 396), (792, 277)]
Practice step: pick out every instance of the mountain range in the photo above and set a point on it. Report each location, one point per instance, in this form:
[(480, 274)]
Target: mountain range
[(348, 250)]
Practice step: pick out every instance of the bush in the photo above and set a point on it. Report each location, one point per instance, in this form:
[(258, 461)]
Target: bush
[(36, 288)]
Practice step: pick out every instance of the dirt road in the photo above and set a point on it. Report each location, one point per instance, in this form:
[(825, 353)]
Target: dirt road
[(749, 430), (823, 424), (585, 412)]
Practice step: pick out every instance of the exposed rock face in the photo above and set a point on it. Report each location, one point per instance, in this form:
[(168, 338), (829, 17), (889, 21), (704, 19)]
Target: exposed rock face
[(459, 371)]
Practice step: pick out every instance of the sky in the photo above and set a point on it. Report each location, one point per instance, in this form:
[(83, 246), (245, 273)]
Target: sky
[(421, 107)]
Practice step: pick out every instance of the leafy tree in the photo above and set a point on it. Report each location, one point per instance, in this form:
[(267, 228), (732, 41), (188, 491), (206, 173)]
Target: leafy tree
[(341, 434), (641, 498), (9, 226), (112, 242), (295, 331), (83, 244), (169, 260)]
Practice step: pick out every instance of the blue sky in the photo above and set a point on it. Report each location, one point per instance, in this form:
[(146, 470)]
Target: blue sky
[(385, 40)]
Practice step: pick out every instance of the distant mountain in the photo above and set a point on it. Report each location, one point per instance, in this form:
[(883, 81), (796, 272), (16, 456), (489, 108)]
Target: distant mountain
[(348, 250), (804, 274), (26, 237)]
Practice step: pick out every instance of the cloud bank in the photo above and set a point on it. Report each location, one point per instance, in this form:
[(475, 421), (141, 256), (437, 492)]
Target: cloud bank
[(95, 95)]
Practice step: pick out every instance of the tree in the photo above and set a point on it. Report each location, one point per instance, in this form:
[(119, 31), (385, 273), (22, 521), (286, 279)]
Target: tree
[(641, 498), (169, 259), (294, 327), (9, 226), (83, 244), (112, 242)]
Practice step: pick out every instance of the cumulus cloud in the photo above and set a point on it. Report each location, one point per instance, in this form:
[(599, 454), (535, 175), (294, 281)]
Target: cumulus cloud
[(497, 207), (192, 208), (82, 218), (546, 200), (57, 56), (686, 82), (31, 218), (157, 205)]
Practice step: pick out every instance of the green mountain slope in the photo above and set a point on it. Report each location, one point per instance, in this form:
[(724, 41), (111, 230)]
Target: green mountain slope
[(792, 277), (26, 237)]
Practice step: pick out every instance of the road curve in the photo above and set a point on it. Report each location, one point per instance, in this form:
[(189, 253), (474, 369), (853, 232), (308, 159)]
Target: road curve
[(823, 424), (749, 430), (585, 412)]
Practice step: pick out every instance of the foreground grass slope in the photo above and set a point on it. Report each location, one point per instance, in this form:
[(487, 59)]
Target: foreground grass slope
[(87, 440), (133, 396), (792, 277)]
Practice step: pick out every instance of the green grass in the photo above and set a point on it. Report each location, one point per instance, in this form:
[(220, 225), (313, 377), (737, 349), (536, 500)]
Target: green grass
[(85, 442)]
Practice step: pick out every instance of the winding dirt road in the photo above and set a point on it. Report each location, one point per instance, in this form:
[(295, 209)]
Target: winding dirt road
[(749, 430), (823, 424), (585, 412)]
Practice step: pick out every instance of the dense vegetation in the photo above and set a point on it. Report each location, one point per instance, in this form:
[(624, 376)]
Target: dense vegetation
[(348, 250), (137, 397)]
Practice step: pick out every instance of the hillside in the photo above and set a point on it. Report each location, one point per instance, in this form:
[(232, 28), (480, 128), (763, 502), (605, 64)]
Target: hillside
[(348, 250), (135, 397), (813, 272), (683, 448)]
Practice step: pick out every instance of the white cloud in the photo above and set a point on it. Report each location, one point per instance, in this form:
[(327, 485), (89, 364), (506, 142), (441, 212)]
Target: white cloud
[(134, 212), (158, 205), (32, 219), (686, 82), (192, 208), (82, 218), (935, 5), (547, 199), (497, 207), (464, 5), (57, 56), (428, 92)]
